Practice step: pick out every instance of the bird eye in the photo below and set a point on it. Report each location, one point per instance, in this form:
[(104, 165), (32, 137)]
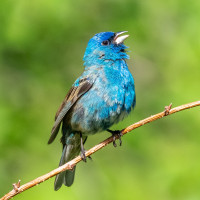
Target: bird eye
[(105, 42)]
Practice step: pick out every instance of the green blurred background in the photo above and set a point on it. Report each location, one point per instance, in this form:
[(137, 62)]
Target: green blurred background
[(42, 43)]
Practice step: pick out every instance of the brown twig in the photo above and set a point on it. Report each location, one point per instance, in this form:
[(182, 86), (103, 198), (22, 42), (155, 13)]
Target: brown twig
[(168, 111)]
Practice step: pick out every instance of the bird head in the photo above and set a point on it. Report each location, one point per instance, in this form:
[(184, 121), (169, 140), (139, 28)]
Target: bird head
[(105, 47)]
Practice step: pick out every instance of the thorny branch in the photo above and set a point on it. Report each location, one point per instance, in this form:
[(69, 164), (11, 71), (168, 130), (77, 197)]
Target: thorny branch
[(68, 166)]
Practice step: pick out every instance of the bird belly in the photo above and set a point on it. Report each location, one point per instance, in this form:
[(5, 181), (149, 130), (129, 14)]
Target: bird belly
[(108, 101), (96, 111)]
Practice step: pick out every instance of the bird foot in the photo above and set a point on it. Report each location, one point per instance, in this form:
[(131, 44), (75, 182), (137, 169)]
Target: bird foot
[(84, 157), (115, 134)]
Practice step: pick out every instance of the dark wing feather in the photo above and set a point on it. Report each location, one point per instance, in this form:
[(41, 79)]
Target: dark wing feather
[(73, 95)]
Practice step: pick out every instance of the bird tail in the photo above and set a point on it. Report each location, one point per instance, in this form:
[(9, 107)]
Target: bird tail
[(66, 177)]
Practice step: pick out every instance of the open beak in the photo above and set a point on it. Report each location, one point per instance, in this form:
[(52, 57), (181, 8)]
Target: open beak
[(119, 39)]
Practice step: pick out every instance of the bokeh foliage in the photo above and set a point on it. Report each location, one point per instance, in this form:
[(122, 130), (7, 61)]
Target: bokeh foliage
[(42, 43)]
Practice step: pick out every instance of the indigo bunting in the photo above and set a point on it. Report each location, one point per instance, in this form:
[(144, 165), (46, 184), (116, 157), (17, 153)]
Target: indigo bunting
[(103, 95)]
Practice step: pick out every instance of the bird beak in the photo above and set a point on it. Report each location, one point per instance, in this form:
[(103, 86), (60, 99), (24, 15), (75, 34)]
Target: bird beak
[(119, 39)]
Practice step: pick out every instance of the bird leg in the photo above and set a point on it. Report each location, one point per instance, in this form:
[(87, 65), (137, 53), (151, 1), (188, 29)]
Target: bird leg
[(114, 134), (82, 149), (83, 156), (83, 145)]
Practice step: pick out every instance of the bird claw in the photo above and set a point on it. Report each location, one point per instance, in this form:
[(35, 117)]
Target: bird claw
[(90, 157), (115, 134), (83, 156)]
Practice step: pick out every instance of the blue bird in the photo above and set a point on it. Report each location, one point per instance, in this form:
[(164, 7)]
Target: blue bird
[(102, 96)]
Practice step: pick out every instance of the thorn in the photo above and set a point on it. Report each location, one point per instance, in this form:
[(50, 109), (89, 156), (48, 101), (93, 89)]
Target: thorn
[(16, 186), (167, 109)]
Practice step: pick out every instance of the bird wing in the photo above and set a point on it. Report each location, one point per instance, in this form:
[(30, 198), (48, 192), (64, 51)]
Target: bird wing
[(73, 95)]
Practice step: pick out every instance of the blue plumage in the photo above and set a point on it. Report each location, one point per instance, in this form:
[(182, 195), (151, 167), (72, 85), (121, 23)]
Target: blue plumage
[(103, 95)]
